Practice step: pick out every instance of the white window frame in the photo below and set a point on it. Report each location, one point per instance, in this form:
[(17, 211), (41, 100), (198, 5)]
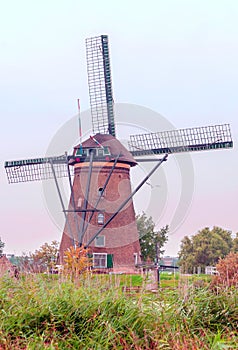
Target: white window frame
[(100, 266), (80, 202), (100, 218), (136, 258), (100, 152)]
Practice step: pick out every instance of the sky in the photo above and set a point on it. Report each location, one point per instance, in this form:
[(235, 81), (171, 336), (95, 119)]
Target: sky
[(173, 63)]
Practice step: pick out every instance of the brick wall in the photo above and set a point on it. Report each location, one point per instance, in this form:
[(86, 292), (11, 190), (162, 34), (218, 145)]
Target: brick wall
[(121, 236)]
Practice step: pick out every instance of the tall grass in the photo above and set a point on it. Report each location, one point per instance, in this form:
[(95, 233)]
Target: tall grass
[(45, 313)]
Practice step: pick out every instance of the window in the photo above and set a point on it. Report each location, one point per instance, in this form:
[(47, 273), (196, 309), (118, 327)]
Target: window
[(81, 152), (100, 152), (136, 258), (100, 192), (100, 241), (100, 218), (80, 202), (99, 260), (102, 260), (106, 151)]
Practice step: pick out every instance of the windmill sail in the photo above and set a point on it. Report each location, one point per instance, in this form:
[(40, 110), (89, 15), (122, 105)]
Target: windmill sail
[(182, 140), (36, 169), (100, 85)]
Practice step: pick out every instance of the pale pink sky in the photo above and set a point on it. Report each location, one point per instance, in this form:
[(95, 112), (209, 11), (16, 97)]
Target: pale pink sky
[(177, 58)]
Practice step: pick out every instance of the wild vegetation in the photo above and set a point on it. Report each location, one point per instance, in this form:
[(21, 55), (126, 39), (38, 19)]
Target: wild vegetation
[(53, 312), (78, 309), (227, 269)]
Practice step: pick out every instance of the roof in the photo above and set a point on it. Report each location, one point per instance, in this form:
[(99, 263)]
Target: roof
[(114, 146)]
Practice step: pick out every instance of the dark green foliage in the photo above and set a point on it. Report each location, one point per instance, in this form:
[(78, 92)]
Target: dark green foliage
[(235, 244), (149, 238), (204, 249)]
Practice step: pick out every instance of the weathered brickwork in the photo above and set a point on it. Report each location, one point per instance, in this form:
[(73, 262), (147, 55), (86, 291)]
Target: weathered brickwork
[(121, 235)]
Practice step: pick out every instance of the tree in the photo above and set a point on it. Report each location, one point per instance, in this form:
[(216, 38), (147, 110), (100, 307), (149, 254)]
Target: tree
[(23, 262), (45, 257), (2, 245), (186, 258), (204, 249), (235, 244), (76, 262), (151, 241)]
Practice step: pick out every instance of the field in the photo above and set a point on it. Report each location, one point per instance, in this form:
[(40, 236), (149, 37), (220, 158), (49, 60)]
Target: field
[(49, 312)]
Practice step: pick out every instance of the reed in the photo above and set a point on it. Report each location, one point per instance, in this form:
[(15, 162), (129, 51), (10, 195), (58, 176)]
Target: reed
[(44, 312)]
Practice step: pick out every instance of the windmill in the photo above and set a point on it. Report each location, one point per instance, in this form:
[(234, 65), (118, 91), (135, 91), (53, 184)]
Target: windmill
[(101, 214)]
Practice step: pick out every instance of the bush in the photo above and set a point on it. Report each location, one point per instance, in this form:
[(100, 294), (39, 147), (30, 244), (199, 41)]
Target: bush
[(227, 269)]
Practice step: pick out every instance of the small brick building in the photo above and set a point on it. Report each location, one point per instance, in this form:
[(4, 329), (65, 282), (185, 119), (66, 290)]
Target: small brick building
[(117, 247)]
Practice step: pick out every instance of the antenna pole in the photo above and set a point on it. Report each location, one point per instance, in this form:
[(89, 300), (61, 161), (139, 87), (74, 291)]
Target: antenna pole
[(80, 125)]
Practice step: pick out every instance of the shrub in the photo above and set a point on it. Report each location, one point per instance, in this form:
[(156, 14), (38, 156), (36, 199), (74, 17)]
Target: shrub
[(227, 271), (76, 262)]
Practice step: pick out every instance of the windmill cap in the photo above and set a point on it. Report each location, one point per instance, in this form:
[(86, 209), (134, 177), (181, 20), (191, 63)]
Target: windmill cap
[(115, 147)]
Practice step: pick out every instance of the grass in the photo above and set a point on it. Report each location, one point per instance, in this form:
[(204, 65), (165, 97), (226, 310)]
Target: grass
[(47, 313)]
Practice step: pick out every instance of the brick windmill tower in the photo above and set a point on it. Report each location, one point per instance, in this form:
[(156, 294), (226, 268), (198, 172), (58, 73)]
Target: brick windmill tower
[(102, 184), (100, 214)]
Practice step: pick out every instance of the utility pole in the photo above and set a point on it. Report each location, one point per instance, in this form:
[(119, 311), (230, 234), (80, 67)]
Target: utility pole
[(157, 260)]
